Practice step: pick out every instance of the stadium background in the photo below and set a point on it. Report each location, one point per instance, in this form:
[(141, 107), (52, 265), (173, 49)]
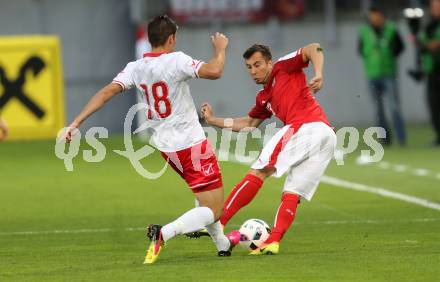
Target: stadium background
[(88, 225), (98, 39)]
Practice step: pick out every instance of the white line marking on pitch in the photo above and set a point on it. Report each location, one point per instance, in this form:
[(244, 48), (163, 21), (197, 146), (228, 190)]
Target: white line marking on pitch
[(337, 211), (74, 231), (384, 165), (404, 168), (373, 190), (326, 179), (400, 168), (136, 229), (381, 191), (421, 172)]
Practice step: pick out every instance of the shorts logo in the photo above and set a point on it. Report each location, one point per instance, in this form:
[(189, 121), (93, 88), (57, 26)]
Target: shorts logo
[(208, 169)]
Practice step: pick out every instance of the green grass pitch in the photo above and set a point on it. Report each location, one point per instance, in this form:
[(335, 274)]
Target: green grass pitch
[(87, 225)]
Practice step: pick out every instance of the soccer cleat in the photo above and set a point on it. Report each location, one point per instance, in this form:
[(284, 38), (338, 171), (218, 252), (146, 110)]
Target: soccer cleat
[(267, 249), (224, 253), (197, 234), (156, 243), (234, 239)]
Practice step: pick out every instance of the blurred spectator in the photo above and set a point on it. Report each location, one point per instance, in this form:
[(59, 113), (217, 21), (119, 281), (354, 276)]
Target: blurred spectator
[(286, 9), (3, 130), (379, 46), (430, 44)]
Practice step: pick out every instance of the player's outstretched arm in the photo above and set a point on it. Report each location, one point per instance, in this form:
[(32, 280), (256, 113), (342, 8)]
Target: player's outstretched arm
[(3, 130), (314, 53), (95, 103), (236, 124), (214, 68)]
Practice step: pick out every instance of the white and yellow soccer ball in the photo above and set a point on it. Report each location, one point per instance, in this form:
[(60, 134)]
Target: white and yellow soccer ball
[(253, 233)]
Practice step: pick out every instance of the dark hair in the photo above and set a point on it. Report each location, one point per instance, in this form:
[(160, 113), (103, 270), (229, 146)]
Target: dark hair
[(376, 9), (263, 49), (159, 29)]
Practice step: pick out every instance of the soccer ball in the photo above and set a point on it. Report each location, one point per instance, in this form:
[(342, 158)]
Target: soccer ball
[(253, 233)]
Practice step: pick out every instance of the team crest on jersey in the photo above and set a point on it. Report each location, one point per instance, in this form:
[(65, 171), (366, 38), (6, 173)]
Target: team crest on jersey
[(208, 169)]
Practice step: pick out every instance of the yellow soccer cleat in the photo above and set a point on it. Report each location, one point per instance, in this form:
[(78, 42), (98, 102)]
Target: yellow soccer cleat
[(156, 243), (267, 249)]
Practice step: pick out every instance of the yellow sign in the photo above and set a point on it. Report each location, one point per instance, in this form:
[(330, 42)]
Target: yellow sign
[(31, 86)]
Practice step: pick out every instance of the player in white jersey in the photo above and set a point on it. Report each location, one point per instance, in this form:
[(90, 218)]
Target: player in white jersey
[(161, 76), (171, 114)]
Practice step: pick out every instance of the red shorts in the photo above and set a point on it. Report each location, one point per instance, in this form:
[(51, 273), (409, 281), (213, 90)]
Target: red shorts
[(197, 166)]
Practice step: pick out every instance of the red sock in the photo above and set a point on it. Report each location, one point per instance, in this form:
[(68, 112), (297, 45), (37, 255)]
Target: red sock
[(242, 194), (284, 218)]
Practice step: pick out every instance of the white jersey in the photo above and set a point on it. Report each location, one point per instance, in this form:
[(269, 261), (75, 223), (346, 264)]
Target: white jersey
[(171, 113)]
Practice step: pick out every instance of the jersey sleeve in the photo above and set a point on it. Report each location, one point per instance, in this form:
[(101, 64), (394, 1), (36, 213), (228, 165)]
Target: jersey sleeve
[(187, 67), (125, 77), (259, 111), (292, 62)]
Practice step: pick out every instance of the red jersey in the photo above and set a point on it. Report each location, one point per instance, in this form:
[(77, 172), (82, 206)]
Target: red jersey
[(287, 95)]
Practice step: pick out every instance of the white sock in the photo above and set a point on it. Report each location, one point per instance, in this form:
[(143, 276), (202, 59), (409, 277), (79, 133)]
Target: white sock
[(220, 240), (192, 220), (215, 230)]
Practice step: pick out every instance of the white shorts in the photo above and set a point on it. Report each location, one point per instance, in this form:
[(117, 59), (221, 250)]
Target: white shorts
[(304, 154)]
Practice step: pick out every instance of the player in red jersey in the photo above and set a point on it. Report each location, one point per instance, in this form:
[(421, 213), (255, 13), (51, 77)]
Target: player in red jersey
[(302, 148)]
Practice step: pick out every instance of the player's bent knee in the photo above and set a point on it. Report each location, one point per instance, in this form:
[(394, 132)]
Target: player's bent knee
[(216, 210), (212, 199), (262, 173), (217, 214)]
